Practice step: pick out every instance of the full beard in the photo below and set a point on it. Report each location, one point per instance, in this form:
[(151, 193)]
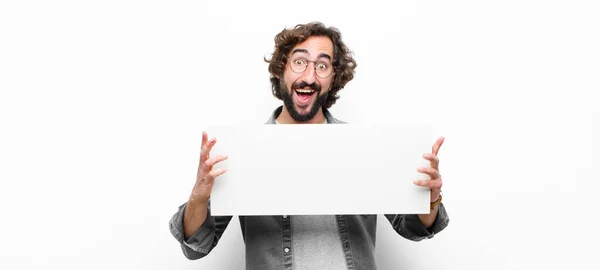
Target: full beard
[(287, 97)]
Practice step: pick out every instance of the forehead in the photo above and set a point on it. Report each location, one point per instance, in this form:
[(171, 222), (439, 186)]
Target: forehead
[(314, 46)]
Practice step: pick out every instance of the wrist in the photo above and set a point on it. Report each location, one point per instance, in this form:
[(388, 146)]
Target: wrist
[(435, 195), (197, 201), (433, 204)]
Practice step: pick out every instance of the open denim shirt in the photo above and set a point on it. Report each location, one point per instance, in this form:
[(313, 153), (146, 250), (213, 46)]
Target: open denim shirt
[(268, 239)]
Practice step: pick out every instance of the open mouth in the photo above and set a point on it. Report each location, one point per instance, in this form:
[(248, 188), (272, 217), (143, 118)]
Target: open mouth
[(304, 96)]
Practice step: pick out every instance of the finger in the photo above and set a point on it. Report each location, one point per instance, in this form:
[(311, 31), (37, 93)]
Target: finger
[(214, 160), (204, 139), (432, 172), (434, 161), (432, 184), (215, 173), (436, 146), (204, 154)]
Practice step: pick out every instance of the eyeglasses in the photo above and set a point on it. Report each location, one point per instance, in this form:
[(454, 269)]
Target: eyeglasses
[(323, 69)]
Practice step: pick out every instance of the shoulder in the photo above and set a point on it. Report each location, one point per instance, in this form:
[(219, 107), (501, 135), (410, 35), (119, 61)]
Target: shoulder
[(338, 121), (331, 119)]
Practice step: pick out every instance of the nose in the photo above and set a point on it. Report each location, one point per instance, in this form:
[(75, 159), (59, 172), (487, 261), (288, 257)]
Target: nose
[(309, 73)]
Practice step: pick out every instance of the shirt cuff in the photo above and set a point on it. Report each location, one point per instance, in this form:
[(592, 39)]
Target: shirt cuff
[(198, 241), (414, 229)]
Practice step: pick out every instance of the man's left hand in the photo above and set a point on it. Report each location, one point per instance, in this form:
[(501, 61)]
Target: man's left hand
[(435, 184)]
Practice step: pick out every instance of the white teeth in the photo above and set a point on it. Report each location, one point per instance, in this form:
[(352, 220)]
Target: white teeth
[(305, 91)]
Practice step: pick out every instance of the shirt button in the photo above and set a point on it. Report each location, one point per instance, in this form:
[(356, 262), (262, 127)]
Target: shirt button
[(286, 250), (284, 216)]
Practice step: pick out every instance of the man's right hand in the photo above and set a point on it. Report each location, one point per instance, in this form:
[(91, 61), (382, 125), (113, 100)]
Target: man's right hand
[(206, 175), (197, 207)]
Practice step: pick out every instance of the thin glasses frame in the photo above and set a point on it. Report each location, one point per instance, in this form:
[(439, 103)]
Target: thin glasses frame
[(307, 62)]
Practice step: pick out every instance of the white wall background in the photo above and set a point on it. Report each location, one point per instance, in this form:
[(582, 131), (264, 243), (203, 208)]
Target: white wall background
[(103, 103)]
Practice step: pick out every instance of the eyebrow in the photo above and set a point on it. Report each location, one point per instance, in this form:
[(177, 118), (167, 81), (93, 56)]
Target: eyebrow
[(322, 55)]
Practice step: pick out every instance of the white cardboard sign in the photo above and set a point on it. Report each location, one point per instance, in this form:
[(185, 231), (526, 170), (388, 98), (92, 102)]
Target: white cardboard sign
[(320, 169)]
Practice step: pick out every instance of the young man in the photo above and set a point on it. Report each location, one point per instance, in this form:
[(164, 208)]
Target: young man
[(309, 66)]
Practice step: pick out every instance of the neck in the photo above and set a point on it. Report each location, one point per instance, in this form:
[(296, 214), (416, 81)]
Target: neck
[(285, 118)]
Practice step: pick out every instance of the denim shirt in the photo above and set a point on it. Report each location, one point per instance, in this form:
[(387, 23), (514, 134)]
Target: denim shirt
[(268, 239)]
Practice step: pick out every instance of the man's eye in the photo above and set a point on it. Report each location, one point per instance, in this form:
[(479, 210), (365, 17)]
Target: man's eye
[(299, 62), (322, 66)]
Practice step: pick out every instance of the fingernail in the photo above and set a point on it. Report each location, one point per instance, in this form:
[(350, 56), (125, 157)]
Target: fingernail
[(416, 182)]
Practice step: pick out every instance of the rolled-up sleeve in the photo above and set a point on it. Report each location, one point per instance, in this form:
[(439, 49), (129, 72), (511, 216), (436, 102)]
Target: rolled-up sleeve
[(204, 239), (411, 227)]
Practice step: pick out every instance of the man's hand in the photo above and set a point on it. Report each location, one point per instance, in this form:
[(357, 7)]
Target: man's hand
[(435, 184), (197, 207), (206, 175)]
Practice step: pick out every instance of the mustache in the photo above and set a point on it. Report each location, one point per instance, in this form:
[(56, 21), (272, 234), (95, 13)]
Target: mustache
[(303, 85)]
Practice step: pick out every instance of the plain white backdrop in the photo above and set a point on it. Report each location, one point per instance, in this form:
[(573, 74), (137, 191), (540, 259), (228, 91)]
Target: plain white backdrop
[(103, 103)]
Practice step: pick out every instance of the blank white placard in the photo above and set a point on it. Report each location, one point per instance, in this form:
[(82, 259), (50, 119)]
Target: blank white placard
[(320, 169)]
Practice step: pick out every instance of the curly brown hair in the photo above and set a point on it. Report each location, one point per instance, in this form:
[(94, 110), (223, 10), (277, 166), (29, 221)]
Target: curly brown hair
[(343, 62)]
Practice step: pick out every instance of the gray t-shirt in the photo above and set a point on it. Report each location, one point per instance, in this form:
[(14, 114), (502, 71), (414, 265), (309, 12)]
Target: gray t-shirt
[(316, 243)]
